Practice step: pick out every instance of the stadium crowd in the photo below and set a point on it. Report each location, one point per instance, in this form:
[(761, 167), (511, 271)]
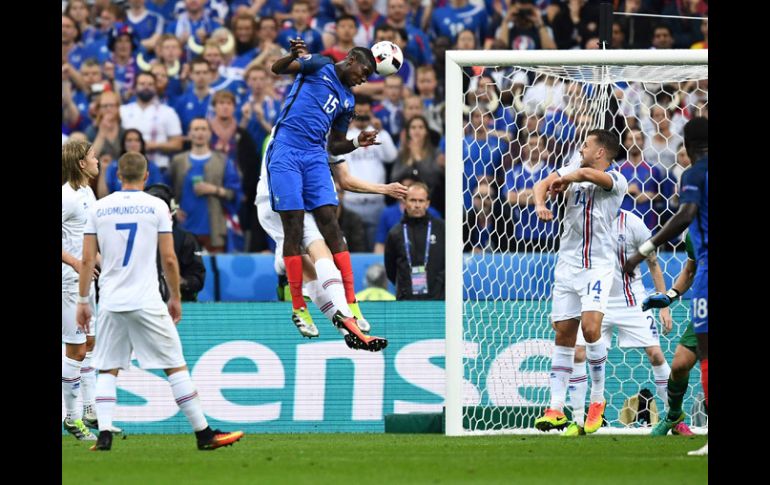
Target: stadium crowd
[(188, 83)]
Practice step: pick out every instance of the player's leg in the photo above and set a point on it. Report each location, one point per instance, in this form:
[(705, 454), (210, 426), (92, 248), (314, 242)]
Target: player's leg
[(700, 321), (88, 372), (578, 386), (564, 315), (660, 372), (74, 352), (112, 354), (594, 286), (684, 361)]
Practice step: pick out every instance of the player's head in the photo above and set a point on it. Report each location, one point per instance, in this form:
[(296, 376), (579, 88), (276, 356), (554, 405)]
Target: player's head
[(376, 276), (696, 138), (78, 163), (132, 170), (163, 192), (357, 66), (417, 200), (599, 149)]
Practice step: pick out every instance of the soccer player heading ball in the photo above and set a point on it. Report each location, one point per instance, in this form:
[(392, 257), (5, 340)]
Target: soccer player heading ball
[(388, 56)]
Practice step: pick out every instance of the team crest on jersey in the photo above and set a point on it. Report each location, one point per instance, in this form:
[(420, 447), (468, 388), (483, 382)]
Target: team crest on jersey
[(621, 238), (347, 103)]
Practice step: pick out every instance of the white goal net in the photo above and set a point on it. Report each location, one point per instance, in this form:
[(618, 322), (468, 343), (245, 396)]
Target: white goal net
[(512, 118)]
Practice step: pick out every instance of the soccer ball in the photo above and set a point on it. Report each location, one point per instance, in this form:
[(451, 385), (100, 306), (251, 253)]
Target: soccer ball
[(388, 56)]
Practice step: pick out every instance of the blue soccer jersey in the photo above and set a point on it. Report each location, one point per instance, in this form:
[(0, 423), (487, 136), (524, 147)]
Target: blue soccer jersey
[(693, 189), (146, 25), (298, 173), (316, 102)]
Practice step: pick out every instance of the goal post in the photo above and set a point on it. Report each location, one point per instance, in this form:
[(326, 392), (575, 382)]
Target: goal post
[(498, 294)]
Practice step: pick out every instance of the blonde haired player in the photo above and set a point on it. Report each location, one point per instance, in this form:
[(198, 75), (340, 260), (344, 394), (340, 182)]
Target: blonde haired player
[(79, 166), (593, 191), (130, 226), (636, 328)]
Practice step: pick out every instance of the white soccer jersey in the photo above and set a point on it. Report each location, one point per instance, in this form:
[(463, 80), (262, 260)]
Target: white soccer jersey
[(74, 211), (630, 234), (127, 224), (588, 239)]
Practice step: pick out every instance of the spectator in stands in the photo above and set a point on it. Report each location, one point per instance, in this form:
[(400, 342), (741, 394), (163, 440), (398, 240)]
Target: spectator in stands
[(530, 233), (618, 36), (72, 50), (392, 214), (267, 33), (166, 91), (376, 285), (169, 54), (196, 101), (147, 25), (642, 179), (300, 16), (482, 152), (638, 29), (662, 141), (390, 111), (417, 155), (523, 28), (192, 272), (461, 12), (108, 181), (368, 20), (207, 185), (194, 20), (121, 68), (662, 37), (351, 224), (480, 219), (158, 122), (106, 133), (368, 164), (440, 46), (414, 251), (261, 108), (236, 143), (417, 46), (685, 32), (426, 89), (280, 83), (245, 30), (346, 29)]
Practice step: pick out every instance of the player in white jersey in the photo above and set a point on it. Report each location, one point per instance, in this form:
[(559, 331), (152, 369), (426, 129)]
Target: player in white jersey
[(129, 226), (636, 328), (593, 190), (323, 280), (79, 166)]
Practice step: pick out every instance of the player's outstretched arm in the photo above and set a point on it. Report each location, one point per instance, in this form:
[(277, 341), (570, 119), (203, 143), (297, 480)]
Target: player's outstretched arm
[(353, 184), (683, 283), (675, 226)]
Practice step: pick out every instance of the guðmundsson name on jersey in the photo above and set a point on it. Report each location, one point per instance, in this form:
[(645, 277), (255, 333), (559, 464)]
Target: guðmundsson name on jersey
[(127, 210)]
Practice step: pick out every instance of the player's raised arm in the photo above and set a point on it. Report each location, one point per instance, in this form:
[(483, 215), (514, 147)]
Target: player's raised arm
[(353, 184), (539, 191), (585, 174), (289, 64)]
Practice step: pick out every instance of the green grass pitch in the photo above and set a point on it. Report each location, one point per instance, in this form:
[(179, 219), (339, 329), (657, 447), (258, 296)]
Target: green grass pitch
[(388, 458)]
